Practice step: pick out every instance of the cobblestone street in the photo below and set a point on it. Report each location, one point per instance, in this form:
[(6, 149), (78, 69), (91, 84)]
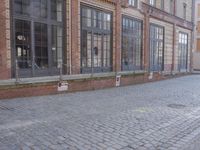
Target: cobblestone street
[(163, 115)]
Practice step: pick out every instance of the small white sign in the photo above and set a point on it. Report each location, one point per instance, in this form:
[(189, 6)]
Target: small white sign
[(62, 86), (118, 80), (151, 76)]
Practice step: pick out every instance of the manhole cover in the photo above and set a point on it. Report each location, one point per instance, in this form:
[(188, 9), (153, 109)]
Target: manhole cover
[(176, 106)]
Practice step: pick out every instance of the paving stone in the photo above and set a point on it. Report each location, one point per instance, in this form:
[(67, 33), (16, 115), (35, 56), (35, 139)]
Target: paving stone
[(127, 118)]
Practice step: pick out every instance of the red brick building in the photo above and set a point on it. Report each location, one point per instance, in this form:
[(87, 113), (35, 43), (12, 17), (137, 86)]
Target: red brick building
[(87, 43)]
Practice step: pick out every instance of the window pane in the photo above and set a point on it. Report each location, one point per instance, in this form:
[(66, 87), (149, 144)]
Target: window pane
[(183, 49), (40, 8), (86, 49), (97, 50), (22, 7), (95, 40), (156, 48), (56, 45), (132, 2), (46, 49), (152, 2), (56, 10), (131, 44), (41, 48), (23, 43)]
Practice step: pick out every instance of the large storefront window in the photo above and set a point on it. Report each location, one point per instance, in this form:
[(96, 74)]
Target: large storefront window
[(183, 51), (96, 36), (131, 44), (38, 31), (156, 48)]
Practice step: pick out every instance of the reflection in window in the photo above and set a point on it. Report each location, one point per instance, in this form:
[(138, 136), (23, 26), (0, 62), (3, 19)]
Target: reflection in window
[(56, 10), (131, 44), (56, 45), (156, 48), (95, 40), (152, 2), (183, 50), (22, 7), (44, 25), (41, 47), (40, 8), (23, 43), (132, 3)]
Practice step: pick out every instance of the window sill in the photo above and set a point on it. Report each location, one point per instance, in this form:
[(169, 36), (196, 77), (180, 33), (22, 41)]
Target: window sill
[(124, 73), (49, 79)]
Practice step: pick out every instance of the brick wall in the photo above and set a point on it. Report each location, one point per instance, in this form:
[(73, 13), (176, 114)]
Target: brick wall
[(39, 89), (5, 54)]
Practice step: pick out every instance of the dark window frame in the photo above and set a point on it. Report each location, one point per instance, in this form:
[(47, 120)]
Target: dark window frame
[(33, 71), (159, 66), (95, 30), (133, 66), (183, 48)]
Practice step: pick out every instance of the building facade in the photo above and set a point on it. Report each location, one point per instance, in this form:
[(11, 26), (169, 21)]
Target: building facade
[(93, 41), (197, 36)]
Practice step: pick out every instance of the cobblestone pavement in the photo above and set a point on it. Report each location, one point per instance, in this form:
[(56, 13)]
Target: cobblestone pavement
[(162, 115)]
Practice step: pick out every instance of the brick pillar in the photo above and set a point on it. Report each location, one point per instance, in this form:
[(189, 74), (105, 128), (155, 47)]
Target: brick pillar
[(146, 41), (5, 62), (75, 51), (118, 27)]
